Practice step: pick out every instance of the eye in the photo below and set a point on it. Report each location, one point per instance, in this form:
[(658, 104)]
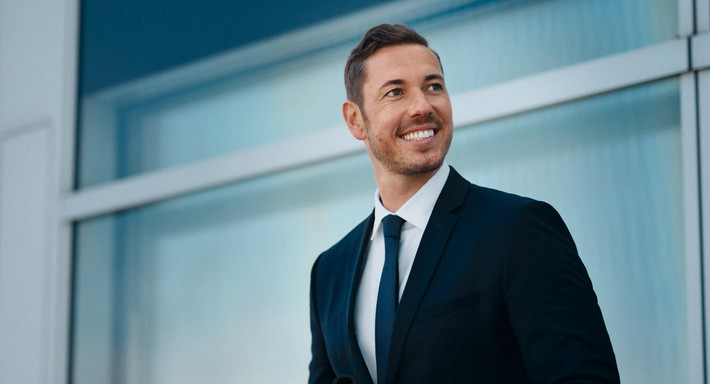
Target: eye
[(436, 87), (394, 92)]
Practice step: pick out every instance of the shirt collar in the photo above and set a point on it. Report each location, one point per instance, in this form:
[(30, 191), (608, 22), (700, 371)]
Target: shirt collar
[(418, 208)]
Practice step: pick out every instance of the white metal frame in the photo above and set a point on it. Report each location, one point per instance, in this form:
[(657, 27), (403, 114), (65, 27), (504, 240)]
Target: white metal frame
[(686, 17), (703, 117), (59, 358), (693, 256), (693, 26), (37, 227), (586, 79)]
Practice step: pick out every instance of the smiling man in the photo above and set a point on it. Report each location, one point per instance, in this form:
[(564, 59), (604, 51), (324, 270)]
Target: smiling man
[(445, 281)]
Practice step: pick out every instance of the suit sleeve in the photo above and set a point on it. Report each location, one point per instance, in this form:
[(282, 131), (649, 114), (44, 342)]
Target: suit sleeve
[(320, 370), (551, 304)]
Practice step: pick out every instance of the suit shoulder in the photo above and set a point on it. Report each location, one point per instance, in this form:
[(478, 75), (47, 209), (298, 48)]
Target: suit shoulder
[(486, 205), (500, 200), (508, 208), (459, 193)]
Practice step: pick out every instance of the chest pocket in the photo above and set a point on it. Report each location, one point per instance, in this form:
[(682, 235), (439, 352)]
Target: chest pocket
[(448, 308)]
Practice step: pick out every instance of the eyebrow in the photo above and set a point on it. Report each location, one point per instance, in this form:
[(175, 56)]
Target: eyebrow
[(392, 82), (400, 81)]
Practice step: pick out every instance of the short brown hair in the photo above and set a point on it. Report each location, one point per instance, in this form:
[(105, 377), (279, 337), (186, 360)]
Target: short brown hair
[(381, 36)]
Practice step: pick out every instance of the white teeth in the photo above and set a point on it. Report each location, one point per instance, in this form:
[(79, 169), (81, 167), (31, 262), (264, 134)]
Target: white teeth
[(419, 135)]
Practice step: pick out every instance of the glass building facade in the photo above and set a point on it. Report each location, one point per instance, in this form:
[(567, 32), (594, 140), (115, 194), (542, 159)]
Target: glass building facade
[(210, 283)]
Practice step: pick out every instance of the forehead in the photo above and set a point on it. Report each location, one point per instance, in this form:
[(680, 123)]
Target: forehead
[(400, 62)]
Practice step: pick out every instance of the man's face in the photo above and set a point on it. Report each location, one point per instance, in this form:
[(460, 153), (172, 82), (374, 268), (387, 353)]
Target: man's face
[(406, 110)]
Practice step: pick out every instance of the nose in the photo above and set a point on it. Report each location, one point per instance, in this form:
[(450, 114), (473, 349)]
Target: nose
[(420, 105)]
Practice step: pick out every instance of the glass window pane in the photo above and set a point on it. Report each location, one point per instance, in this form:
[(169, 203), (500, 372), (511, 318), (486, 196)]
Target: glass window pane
[(171, 119), (611, 167), (138, 38), (507, 40), (213, 287)]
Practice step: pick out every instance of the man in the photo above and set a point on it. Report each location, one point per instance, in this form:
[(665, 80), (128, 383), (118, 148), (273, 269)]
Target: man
[(483, 287)]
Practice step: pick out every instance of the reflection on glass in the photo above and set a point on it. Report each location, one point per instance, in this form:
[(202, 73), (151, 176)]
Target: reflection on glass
[(213, 287), (168, 120)]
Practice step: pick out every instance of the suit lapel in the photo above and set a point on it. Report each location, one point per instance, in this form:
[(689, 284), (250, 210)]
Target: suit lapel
[(434, 240), (359, 367)]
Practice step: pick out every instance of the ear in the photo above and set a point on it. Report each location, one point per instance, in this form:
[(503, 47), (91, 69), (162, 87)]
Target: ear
[(353, 117)]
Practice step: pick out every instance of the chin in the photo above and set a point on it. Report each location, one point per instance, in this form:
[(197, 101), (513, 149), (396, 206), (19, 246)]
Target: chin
[(419, 168)]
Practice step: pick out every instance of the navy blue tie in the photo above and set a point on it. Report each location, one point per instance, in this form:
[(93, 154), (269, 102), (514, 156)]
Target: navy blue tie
[(388, 296)]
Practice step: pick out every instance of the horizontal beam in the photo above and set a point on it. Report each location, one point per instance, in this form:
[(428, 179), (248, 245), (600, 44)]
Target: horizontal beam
[(505, 99), (163, 184)]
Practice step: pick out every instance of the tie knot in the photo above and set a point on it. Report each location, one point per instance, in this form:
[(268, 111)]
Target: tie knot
[(391, 225)]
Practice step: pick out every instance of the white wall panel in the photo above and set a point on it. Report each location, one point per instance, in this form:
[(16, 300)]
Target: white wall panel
[(38, 43), (31, 50), (25, 166)]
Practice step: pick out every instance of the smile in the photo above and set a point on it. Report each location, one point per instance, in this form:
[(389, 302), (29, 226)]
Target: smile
[(419, 135)]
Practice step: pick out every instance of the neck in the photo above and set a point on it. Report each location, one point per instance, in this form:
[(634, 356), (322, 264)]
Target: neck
[(396, 189)]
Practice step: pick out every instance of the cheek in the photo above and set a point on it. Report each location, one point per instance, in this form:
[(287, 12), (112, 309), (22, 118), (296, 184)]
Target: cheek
[(442, 105), (444, 111), (386, 125)]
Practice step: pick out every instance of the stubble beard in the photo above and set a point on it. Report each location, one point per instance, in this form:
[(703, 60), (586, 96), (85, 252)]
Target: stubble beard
[(400, 164)]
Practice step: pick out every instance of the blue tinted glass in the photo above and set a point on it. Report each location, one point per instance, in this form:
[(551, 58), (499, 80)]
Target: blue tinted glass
[(171, 119), (213, 287), (611, 165), (507, 40)]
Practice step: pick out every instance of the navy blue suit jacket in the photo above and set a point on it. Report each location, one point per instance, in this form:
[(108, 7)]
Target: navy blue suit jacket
[(497, 294)]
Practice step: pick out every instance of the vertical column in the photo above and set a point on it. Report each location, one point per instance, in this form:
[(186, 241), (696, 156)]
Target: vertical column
[(38, 62), (700, 54), (25, 226), (693, 263), (704, 164), (694, 274)]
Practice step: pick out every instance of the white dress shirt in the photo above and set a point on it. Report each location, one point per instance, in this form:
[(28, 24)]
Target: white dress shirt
[(415, 212)]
